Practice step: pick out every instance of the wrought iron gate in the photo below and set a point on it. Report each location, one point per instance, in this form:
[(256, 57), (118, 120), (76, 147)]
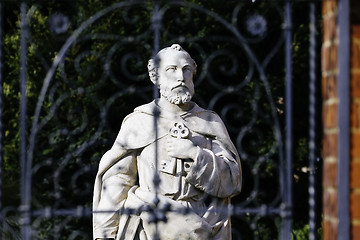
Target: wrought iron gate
[(96, 74)]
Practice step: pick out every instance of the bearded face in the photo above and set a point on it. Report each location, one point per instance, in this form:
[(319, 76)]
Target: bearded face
[(176, 77), (178, 95)]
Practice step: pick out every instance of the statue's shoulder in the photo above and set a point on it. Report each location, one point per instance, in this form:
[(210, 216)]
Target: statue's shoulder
[(140, 114), (147, 108), (137, 129), (206, 114)]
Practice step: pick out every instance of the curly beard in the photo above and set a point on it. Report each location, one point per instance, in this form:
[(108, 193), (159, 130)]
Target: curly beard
[(178, 95)]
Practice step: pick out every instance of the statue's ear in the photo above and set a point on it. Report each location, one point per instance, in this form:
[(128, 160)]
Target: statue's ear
[(152, 70)]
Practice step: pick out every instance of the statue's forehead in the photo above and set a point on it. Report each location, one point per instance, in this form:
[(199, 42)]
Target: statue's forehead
[(174, 58)]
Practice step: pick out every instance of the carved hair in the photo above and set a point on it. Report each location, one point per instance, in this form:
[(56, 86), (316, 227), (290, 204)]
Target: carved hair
[(152, 62)]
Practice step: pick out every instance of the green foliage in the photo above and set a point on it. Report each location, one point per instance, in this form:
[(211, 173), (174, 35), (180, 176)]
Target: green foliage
[(99, 79), (303, 233), (11, 228)]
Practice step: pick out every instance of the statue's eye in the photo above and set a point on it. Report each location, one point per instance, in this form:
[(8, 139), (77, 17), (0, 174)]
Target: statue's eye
[(188, 68), (171, 68)]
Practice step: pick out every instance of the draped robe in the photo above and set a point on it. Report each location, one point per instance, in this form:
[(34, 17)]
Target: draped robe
[(198, 196)]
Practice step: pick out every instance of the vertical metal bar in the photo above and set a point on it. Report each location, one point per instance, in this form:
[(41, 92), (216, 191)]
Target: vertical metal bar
[(344, 120), (25, 203), (312, 122), (287, 198), (1, 126), (156, 24)]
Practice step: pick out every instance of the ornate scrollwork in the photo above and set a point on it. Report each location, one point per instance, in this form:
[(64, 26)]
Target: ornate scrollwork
[(59, 23), (99, 77)]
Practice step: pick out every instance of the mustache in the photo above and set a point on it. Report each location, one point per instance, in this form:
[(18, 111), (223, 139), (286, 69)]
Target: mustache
[(179, 85)]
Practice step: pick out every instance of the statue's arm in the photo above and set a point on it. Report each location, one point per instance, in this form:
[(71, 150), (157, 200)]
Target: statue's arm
[(111, 188), (216, 171)]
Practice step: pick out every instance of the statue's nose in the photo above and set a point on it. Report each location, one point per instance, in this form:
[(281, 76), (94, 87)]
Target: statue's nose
[(180, 76)]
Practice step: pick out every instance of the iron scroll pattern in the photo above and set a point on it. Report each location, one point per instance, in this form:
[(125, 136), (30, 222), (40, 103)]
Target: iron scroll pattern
[(99, 76)]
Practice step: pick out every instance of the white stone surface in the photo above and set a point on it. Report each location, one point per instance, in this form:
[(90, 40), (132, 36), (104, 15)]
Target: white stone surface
[(198, 165)]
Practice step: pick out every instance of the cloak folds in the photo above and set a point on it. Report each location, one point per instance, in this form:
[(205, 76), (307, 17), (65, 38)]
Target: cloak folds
[(137, 132)]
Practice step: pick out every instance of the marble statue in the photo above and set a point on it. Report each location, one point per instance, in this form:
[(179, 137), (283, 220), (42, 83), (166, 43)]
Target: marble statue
[(198, 166)]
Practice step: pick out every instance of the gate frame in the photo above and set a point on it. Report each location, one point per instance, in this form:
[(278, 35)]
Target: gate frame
[(286, 208)]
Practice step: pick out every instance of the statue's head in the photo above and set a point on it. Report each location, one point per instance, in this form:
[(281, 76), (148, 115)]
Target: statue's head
[(174, 74)]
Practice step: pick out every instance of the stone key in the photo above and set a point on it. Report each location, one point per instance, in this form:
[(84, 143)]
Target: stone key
[(174, 166), (179, 130)]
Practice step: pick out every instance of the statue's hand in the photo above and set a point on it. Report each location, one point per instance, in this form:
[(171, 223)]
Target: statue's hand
[(181, 148)]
